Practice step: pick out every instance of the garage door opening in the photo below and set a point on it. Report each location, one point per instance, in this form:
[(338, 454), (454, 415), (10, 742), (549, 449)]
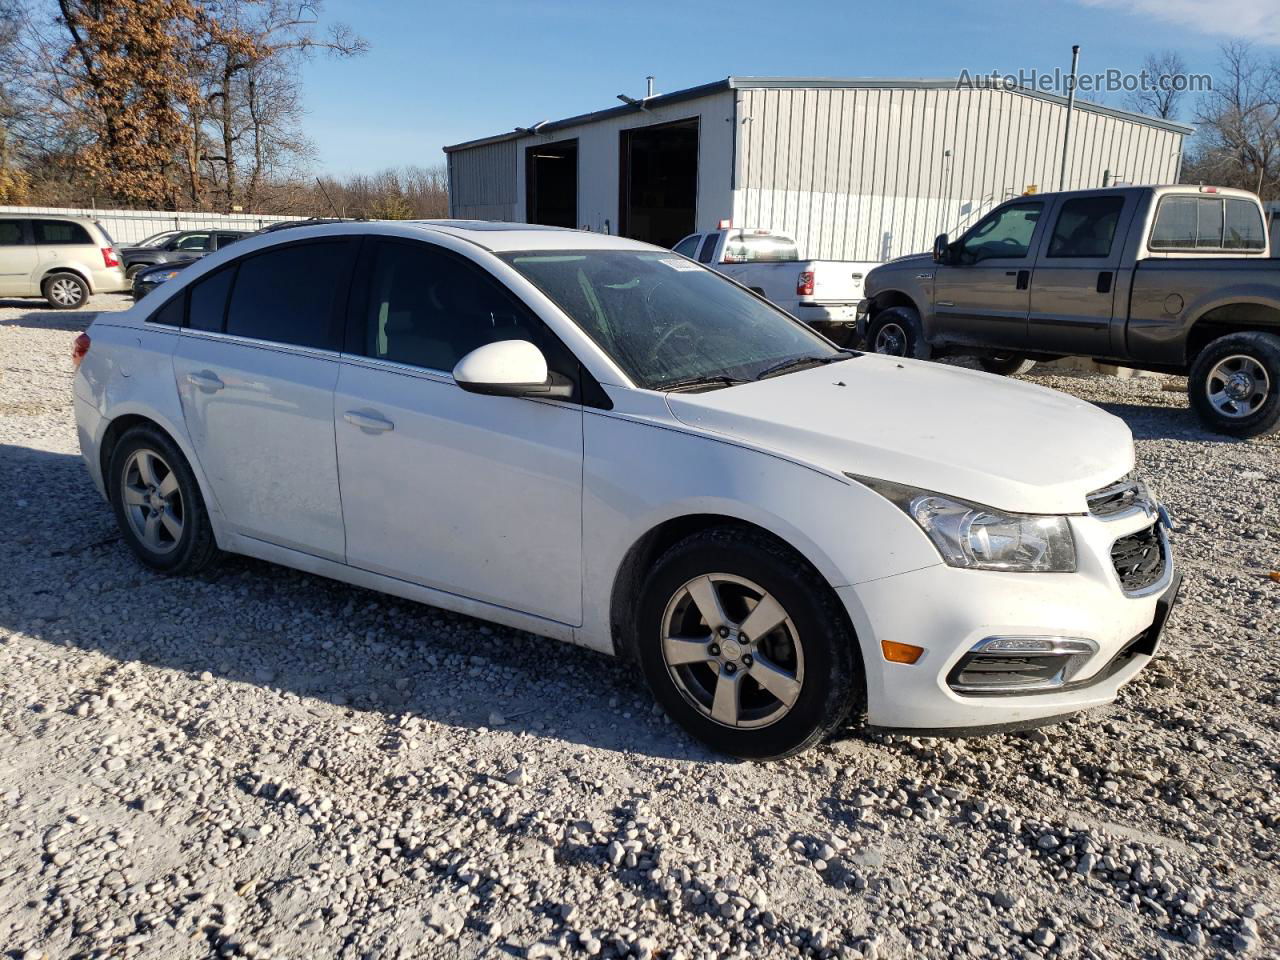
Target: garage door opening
[(659, 189), (551, 171)]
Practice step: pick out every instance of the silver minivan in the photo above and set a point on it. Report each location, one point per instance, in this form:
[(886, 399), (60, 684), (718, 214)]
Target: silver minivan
[(63, 259)]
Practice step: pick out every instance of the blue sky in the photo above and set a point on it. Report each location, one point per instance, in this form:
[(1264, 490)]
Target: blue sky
[(439, 73)]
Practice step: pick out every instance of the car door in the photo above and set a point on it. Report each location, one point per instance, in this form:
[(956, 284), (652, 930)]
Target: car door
[(479, 496), (190, 246), (982, 292), (1074, 280), (18, 259), (256, 368)]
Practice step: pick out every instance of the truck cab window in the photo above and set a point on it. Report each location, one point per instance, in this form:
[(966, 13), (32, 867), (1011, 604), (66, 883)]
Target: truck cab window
[(1086, 227), (1004, 234)]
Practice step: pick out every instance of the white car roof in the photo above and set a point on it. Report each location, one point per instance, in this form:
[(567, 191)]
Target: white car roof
[(499, 236)]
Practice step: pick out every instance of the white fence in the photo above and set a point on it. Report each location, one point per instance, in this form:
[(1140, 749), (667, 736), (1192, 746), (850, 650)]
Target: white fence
[(130, 226)]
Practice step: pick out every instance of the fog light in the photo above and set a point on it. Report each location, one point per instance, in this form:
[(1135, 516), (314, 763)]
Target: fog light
[(1011, 665)]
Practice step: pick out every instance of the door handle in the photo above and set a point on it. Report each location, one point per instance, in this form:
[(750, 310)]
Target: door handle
[(368, 422), (205, 381), (1024, 280), (1104, 281)]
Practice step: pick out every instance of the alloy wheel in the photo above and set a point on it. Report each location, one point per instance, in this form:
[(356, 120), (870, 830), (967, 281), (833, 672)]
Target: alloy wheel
[(891, 340), (65, 291), (153, 500), (1237, 386), (732, 651)]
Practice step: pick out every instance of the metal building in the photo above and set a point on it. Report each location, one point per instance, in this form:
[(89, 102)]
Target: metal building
[(853, 169)]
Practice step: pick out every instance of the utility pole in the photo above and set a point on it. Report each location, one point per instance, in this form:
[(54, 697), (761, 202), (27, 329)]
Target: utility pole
[(1071, 104)]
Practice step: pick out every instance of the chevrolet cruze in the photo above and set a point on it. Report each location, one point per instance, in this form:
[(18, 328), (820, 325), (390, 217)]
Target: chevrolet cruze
[(604, 442)]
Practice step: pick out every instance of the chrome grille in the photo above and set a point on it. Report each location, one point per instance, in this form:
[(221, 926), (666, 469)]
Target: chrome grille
[(1139, 559), (1120, 497)]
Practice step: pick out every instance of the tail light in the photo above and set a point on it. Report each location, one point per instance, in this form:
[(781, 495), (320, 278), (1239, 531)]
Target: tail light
[(79, 348), (109, 258), (804, 284)]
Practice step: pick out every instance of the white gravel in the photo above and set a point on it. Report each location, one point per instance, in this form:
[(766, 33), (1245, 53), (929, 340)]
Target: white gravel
[(262, 763)]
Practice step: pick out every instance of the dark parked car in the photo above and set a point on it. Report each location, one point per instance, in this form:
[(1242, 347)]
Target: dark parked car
[(147, 278), (182, 247)]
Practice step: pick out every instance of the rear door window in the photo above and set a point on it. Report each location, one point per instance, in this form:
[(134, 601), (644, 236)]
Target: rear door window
[(225, 239), (61, 233), (209, 301), (1086, 227), (288, 294), (708, 251)]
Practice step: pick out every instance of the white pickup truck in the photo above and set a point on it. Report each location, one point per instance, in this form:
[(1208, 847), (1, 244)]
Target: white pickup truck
[(822, 293)]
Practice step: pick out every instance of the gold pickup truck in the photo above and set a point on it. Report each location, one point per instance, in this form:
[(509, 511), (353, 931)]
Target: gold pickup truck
[(1176, 279)]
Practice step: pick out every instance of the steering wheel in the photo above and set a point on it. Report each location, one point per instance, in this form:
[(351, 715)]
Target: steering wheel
[(670, 333)]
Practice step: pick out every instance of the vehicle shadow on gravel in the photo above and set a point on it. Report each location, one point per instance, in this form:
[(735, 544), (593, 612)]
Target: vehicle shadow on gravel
[(48, 318), (252, 622), (1151, 422)]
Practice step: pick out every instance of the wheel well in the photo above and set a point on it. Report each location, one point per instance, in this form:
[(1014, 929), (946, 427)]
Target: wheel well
[(54, 271), (644, 553), (893, 298), (1231, 318), (115, 430)]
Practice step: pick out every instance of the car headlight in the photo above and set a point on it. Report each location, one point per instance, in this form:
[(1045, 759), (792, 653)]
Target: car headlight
[(166, 275), (980, 538)]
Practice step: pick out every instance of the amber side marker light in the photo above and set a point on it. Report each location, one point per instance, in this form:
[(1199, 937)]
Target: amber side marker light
[(896, 652)]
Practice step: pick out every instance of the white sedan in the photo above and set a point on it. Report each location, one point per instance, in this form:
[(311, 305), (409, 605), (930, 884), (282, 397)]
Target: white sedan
[(606, 443)]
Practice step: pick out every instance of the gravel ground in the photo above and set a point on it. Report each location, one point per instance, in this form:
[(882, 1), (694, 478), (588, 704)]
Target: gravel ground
[(262, 763)]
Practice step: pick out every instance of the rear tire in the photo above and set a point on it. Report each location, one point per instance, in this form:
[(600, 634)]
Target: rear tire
[(65, 291), (1234, 384), (897, 332), (757, 697), (1004, 364), (157, 503)]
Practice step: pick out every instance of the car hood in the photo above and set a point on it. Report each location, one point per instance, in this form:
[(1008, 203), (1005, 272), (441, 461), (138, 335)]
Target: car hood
[(997, 442)]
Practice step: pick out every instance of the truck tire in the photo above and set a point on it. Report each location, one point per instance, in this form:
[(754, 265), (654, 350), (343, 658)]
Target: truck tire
[(1004, 364), (897, 332), (1234, 385)]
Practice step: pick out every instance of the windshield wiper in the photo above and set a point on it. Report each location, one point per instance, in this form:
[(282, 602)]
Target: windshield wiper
[(692, 383), (800, 363)]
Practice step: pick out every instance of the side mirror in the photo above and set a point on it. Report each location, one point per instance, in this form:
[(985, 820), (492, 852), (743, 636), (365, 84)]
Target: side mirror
[(941, 248), (509, 368)]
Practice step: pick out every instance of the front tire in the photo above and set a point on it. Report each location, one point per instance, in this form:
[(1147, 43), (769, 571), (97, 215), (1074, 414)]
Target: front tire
[(897, 332), (65, 291), (1234, 384), (745, 646), (157, 503), (1004, 364)]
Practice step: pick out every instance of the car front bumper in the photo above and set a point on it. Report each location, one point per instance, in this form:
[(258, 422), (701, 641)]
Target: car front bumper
[(949, 611)]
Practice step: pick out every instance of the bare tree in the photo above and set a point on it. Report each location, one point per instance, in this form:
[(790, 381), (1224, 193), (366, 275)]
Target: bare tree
[(13, 179), (1238, 141), (1165, 72)]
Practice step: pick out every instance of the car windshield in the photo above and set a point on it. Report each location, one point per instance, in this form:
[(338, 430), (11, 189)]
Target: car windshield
[(668, 322), (156, 239)]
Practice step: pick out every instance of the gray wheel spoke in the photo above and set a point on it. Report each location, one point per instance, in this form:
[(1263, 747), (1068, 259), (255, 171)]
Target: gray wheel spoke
[(680, 651), (151, 530), (135, 497), (764, 619), (146, 468), (777, 681), (171, 523), (707, 601), (169, 486), (725, 705)]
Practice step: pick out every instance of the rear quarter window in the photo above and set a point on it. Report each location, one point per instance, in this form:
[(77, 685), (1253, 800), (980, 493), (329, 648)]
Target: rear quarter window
[(61, 232)]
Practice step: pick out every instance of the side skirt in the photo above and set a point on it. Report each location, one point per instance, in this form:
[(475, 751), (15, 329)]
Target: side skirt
[(238, 543)]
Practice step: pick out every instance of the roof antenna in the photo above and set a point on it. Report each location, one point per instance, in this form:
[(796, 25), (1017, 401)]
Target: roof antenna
[(332, 206)]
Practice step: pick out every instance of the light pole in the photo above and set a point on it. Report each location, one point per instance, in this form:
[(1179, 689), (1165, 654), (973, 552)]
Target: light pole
[(1071, 103)]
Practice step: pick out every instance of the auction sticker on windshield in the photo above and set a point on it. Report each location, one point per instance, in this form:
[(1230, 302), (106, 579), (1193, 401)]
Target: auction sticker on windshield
[(677, 264)]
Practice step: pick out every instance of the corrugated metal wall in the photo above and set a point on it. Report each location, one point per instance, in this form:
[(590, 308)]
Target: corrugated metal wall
[(863, 173), (482, 182)]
